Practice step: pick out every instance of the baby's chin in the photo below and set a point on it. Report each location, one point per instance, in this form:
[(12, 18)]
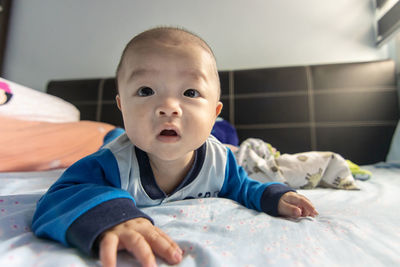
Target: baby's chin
[(170, 155)]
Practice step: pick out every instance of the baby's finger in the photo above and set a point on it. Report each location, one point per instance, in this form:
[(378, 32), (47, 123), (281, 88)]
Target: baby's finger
[(289, 210), (164, 246), (169, 239), (136, 244), (303, 203), (307, 207), (309, 211), (108, 250)]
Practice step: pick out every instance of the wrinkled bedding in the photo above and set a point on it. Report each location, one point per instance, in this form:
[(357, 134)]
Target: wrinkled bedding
[(354, 228), (306, 170)]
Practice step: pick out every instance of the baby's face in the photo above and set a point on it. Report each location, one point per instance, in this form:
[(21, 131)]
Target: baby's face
[(168, 95)]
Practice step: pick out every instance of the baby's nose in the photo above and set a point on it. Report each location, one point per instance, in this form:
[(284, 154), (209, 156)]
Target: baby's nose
[(169, 107)]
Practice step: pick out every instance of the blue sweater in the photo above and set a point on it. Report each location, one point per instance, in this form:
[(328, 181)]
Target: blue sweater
[(112, 185)]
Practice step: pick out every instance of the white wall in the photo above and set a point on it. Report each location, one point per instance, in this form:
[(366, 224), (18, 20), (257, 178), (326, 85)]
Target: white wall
[(58, 39)]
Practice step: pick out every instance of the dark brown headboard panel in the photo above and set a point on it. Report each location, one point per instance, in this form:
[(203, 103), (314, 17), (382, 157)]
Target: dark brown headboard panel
[(351, 108)]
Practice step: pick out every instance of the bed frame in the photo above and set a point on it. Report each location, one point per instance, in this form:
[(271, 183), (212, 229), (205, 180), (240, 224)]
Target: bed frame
[(350, 108)]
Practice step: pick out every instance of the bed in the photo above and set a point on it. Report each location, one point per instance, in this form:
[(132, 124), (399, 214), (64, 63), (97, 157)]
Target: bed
[(354, 228), (349, 108)]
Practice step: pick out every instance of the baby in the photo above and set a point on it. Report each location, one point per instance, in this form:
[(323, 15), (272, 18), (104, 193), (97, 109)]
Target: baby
[(168, 93)]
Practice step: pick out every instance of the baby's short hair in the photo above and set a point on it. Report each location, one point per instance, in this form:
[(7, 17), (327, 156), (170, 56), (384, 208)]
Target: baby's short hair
[(166, 34)]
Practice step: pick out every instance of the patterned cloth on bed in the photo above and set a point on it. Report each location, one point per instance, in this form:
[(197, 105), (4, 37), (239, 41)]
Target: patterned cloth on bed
[(302, 170)]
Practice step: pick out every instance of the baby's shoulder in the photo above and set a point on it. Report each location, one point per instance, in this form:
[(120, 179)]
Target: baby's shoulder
[(119, 144), (213, 141), (214, 146)]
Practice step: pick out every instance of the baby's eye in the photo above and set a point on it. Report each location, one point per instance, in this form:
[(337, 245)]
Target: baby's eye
[(191, 93), (145, 91)]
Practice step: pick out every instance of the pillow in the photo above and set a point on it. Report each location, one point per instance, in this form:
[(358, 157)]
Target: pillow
[(28, 104), (38, 146), (225, 132), (394, 151)]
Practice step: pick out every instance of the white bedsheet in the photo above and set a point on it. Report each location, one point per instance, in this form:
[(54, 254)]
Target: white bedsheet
[(354, 228)]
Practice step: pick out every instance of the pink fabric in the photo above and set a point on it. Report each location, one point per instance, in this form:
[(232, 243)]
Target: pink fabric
[(5, 87)]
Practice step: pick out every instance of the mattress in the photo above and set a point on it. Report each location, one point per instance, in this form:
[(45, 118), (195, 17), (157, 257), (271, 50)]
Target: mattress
[(354, 228)]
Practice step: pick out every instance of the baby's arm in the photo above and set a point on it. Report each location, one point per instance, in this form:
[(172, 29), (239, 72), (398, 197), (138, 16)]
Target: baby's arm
[(88, 201), (295, 205), (272, 198), (141, 238)]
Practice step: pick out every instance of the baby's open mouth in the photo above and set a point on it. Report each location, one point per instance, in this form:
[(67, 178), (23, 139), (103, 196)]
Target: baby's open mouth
[(168, 133)]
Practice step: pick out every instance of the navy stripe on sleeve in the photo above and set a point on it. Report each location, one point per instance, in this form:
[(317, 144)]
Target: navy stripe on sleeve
[(271, 196), (84, 231)]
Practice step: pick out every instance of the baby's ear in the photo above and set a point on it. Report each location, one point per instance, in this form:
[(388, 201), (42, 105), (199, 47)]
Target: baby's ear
[(118, 99), (219, 108)]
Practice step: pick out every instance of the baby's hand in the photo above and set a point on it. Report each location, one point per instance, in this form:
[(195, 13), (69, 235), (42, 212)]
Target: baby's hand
[(140, 237), (294, 205)]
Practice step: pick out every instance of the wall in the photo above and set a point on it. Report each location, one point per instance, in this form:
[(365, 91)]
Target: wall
[(52, 39)]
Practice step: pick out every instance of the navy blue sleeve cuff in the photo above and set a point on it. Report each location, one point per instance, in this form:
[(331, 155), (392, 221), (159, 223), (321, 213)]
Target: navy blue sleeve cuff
[(271, 196), (84, 231)]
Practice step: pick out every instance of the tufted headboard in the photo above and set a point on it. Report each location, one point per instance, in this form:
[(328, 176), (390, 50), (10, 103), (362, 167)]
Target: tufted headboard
[(350, 108)]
